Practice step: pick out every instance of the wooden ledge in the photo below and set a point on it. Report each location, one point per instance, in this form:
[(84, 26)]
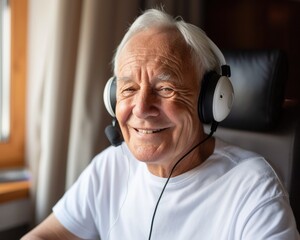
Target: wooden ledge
[(10, 191)]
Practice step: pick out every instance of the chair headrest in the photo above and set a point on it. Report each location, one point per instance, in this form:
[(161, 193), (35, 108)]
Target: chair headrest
[(258, 79)]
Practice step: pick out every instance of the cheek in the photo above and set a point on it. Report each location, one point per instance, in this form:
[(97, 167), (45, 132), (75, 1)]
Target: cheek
[(188, 118), (123, 110), (190, 129), (188, 104), (183, 114), (186, 114)]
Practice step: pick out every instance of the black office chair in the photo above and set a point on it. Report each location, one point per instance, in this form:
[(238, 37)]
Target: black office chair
[(259, 120)]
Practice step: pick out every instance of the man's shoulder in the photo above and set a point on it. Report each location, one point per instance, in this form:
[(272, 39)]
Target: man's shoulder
[(245, 163), (235, 153)]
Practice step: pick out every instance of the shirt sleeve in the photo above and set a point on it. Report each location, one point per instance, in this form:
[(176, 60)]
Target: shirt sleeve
[(271, 220), (75, 209)]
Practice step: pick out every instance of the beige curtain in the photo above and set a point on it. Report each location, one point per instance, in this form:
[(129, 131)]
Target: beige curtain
[(71, 43)]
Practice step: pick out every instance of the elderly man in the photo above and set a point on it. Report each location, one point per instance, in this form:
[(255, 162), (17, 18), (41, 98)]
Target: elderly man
[(168, 179)]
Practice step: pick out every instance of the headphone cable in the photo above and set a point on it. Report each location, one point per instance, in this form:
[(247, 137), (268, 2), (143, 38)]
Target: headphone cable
[(212, 130)]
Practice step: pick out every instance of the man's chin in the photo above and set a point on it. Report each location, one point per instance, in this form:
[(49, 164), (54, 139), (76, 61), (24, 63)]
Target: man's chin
[(146, 153)]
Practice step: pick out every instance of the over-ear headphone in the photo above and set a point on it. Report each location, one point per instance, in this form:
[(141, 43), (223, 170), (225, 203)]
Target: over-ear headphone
[(110, 96), (215, 98)]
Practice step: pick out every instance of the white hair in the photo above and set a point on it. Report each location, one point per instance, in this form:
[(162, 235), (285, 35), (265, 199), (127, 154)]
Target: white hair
[(205, 53)]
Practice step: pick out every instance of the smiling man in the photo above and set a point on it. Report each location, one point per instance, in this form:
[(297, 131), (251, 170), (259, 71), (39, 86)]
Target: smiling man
[(157, 93), (169, 179)]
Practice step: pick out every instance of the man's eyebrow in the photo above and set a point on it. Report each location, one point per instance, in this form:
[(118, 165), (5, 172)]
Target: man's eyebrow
[(163, 76), (124, 79), (159, 77)]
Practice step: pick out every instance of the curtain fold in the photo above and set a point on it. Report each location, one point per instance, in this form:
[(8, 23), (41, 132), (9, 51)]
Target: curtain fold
[(71, 43), (52, 102), (102, 27)]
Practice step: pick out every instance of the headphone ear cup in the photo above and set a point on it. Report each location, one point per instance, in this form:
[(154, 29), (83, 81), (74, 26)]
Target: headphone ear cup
[(109, 96), (223, 99), (216, 98)]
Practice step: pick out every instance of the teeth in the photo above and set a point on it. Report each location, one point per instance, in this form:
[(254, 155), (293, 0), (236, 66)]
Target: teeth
[(147, 131)]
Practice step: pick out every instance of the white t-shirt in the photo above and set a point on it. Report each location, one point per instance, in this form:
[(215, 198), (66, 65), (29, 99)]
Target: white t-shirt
[(234, 194)]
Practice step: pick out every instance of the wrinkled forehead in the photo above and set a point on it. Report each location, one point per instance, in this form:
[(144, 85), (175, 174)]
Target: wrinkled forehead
[(163, 42)]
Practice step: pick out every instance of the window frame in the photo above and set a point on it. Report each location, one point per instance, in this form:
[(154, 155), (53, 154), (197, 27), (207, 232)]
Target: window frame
[(12, 151)]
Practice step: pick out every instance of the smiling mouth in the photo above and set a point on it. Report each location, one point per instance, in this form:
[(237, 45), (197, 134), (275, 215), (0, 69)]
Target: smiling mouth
[(148, 131)]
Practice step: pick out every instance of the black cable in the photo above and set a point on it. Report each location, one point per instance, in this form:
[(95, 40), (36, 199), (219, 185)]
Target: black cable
[(212, 130)]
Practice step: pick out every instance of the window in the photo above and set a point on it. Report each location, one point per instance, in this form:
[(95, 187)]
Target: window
[(4, 69), (12, 146)]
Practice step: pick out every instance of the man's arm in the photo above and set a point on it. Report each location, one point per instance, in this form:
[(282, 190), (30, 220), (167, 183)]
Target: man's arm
[(50, 229), (272, 220)]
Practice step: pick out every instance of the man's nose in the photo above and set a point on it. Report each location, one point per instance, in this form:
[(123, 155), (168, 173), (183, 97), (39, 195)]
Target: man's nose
[(146, 104)]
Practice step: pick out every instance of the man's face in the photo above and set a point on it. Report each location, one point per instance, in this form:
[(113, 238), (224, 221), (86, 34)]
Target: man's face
[(157, 96)]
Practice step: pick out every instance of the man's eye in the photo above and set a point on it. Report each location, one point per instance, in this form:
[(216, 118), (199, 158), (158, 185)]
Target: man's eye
[(166, 92), (128, 91)]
